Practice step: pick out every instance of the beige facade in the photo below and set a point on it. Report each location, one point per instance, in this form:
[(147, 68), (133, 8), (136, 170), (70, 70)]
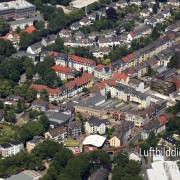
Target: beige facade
[(114, 142)]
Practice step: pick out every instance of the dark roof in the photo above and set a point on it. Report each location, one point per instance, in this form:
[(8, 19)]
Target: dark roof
[(155, 124), (57, 131), (15, 142), (97, 122), (40, 102), (5, 145), (169, 139), (74, 124)]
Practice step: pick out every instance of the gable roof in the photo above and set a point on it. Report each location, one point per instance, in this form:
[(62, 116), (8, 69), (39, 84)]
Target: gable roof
[(61, 69), (120, 76)]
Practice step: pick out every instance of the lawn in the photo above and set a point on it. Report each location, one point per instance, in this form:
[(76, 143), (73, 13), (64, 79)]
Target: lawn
[(71, 143), (6, 134)]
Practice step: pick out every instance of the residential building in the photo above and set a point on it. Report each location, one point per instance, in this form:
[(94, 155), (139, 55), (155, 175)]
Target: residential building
[(95, 125), (129, 94), (140, 118), (13, 100), (40, 105), (35, 48), (121, 78), (153, 126), (48, 40), (176, 80), (23, 22), (58, 134), (122, 134), (12, 148), (65, 72), (136, 2), (16, 9), (140, 32), (121, 3), (74, 128), (102, 72), (30, 145)]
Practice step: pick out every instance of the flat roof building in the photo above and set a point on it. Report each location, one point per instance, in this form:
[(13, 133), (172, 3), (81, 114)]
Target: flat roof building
[(78, 4), (16, 9)]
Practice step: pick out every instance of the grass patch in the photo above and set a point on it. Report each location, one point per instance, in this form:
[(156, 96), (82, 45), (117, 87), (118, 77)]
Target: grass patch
[(6, 134), (71, 143)]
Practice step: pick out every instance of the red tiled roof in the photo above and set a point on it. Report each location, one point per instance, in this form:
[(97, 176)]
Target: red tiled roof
[(61, 69), (38, 88), (30, 29), (109, 82), (128, 58), (53, 53), (100, 66), (79, 81), (82, 60), (132, 34), (120, 76), (162, 119), (129, 70), (5, 37)]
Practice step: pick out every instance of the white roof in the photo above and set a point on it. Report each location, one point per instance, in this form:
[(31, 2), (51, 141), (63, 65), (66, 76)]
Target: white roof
[(151, 174), (134, 157), (173, 170), (158, 158), (94, 140), (82, 3), (159, 171)]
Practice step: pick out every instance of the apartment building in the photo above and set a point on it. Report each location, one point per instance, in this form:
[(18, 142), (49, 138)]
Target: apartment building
[(30, 145), (16, 9), (95, 125), (102, 72), (58, 134), (129, 94), (74, 128), (140, 118), (12, 148), (153, 126), (122, 133)]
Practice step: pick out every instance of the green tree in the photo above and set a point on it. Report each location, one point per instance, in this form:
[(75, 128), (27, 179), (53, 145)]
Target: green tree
[(1, 104), (18, 30), (155, 9), (44, 120), (4, 27), (44, 95), (29, 73), (133, 167), (31, 94), (19, 108), (118, 172)]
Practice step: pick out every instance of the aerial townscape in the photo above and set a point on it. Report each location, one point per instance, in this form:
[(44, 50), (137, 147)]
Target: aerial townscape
[(89, 90)]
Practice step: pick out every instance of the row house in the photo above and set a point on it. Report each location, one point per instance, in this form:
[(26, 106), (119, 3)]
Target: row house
[(153, 126), (135, 2), (105, 42), (50, 39), (109, 33), (67, 90), (54, 94), (121, 78), (65, 72), (82, 42), (174, 3), (81, 64), (140, 32), (95, 125), (10, 149), (85, 21), (121, 3), (72, 88), (145, 12), (116, 114), (140, 118), (129, 94), (58, 134), (65, 33), (102, 72), (174, 27), (122, 134), (99, 52)]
